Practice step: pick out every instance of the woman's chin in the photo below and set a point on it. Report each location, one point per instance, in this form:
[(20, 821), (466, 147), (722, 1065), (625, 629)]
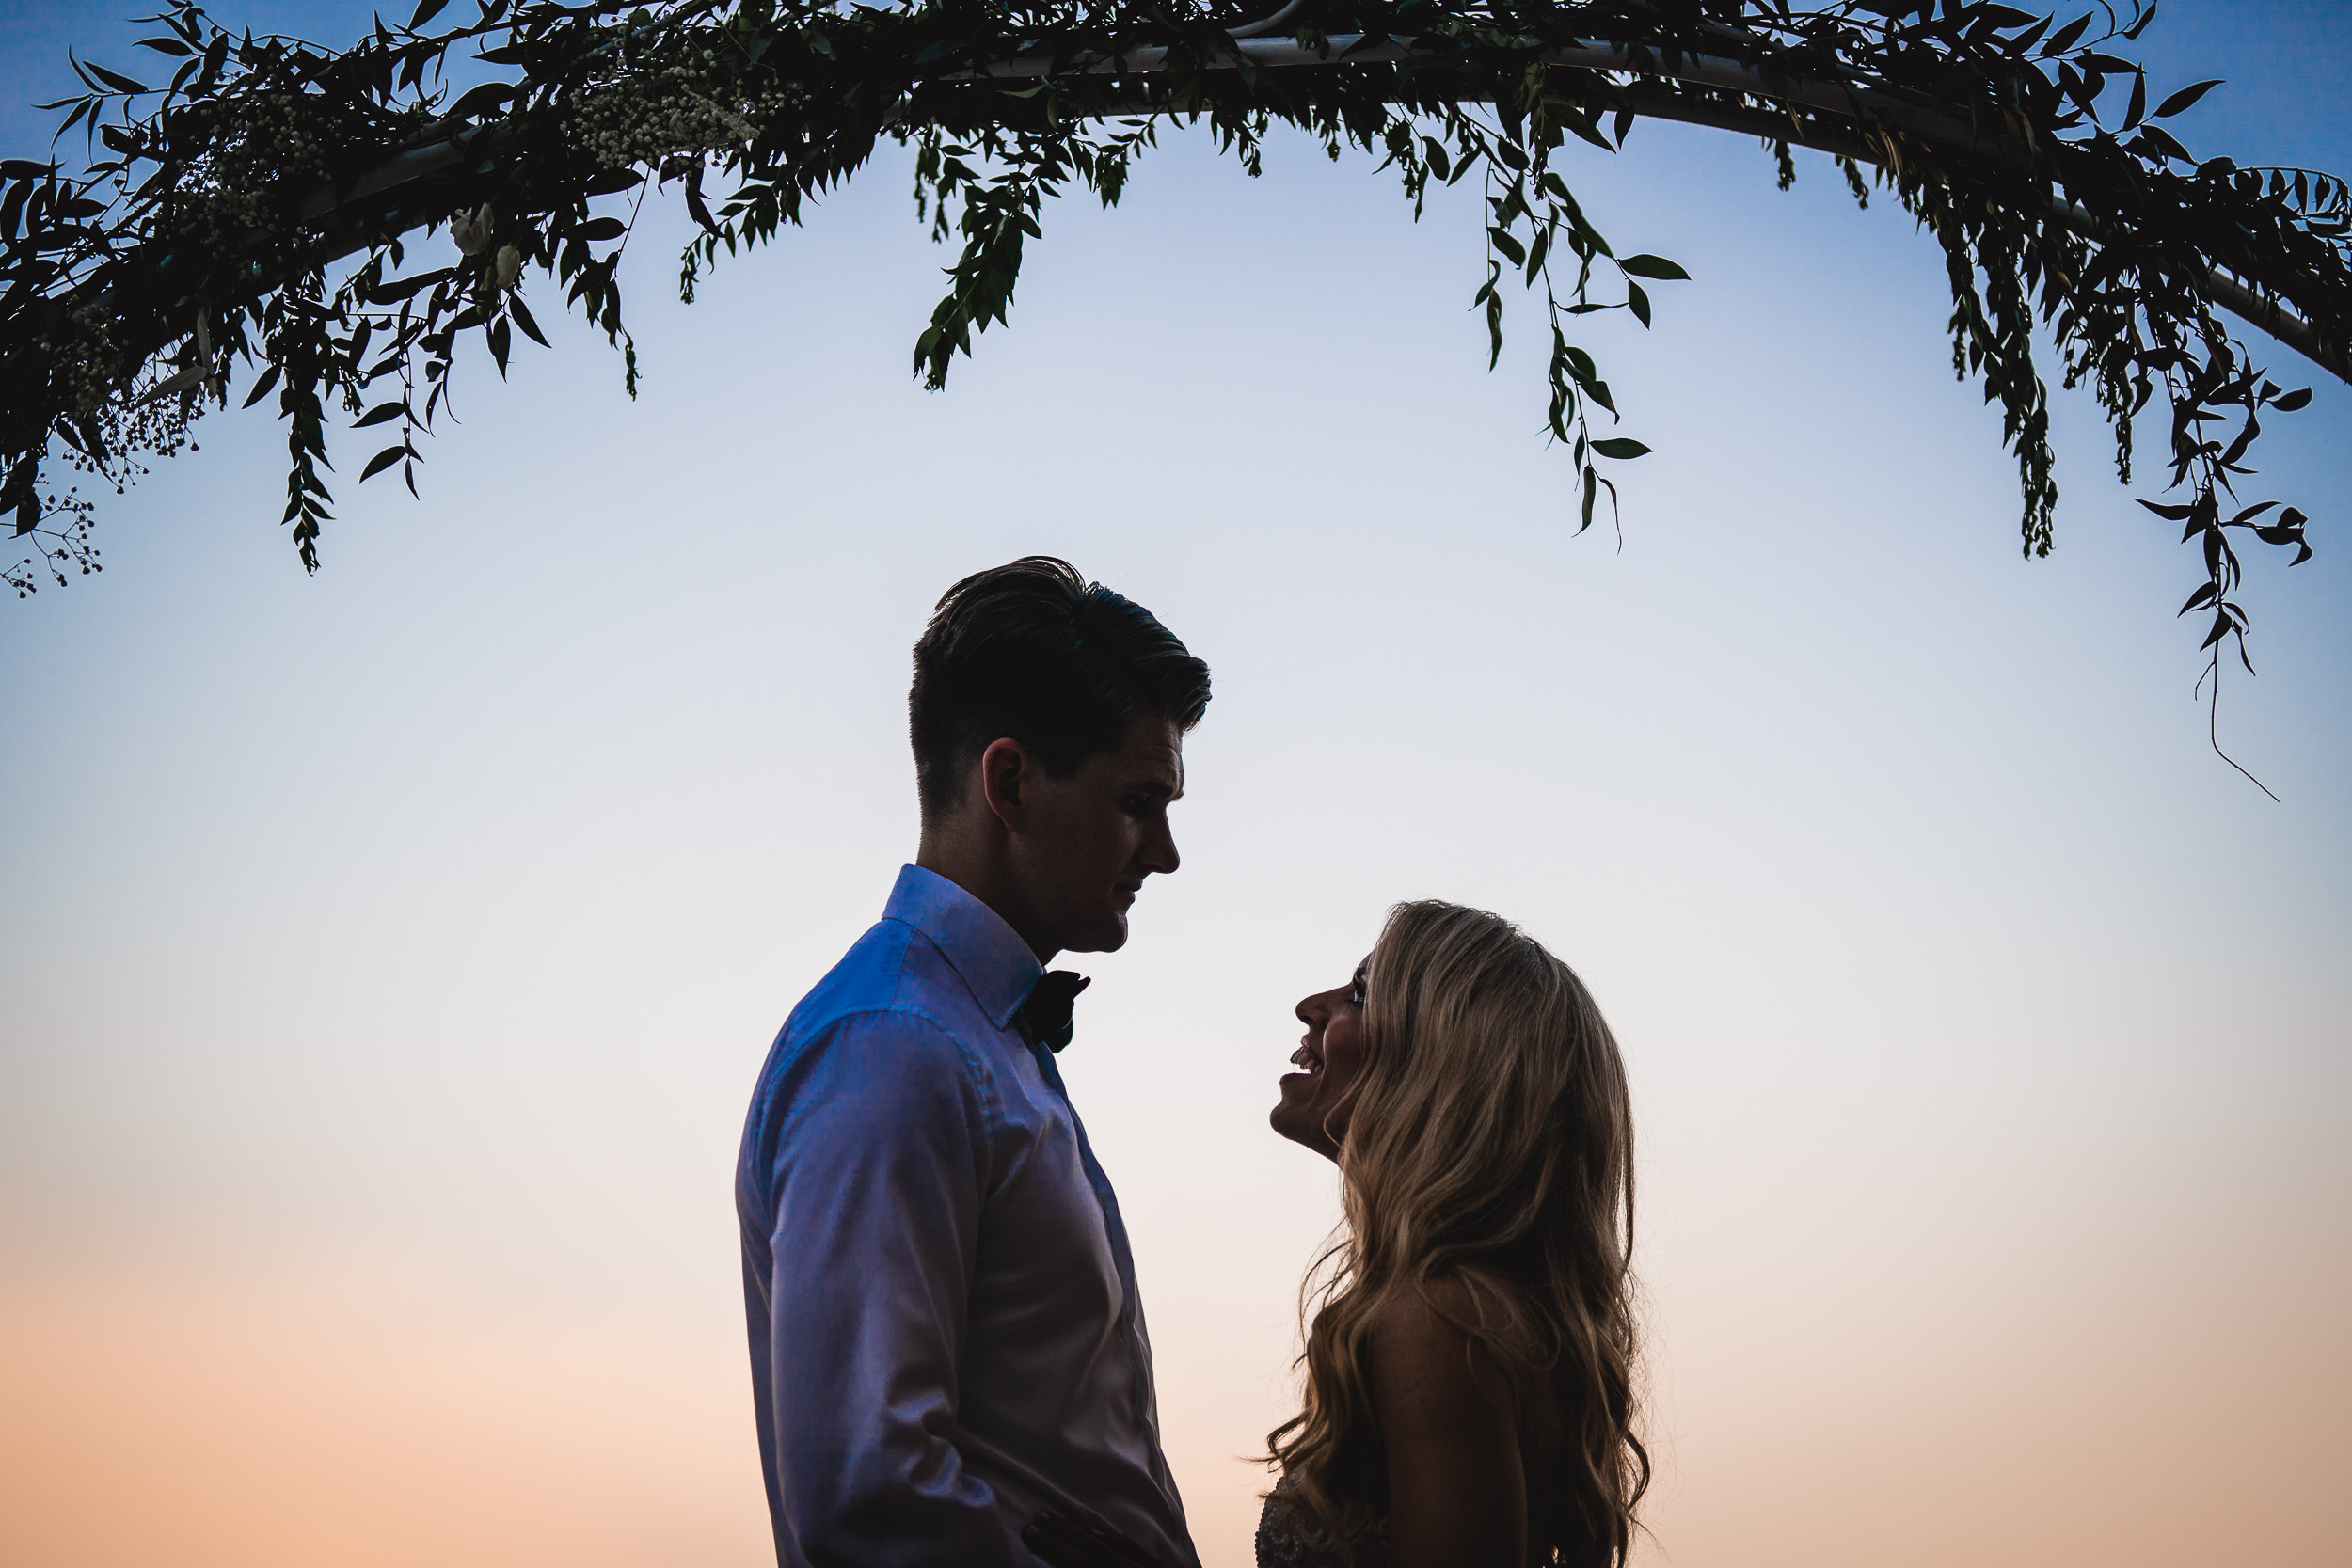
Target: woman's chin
[(1297, 1090), (1291, 1116)]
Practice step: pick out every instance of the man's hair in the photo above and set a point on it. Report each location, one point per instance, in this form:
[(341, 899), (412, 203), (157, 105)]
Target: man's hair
[(1034, 652)]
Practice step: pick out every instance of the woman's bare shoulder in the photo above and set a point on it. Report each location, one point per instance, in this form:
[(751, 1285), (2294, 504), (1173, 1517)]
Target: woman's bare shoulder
[(1453, 1326)]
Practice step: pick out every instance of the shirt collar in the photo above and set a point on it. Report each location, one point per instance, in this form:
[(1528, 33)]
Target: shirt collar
[(987, 954)]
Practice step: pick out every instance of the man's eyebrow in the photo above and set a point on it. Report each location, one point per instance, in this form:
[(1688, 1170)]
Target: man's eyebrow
[(1159, 787)]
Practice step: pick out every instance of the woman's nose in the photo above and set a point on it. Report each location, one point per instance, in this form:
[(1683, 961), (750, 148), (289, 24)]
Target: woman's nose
[(1311, 1010)]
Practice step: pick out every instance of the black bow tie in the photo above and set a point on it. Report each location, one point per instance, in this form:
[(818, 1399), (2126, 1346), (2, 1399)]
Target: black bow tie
[(1044, 1018)]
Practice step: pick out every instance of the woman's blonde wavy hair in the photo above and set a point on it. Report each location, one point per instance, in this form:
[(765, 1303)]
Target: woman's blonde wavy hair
[(1489, 1143)]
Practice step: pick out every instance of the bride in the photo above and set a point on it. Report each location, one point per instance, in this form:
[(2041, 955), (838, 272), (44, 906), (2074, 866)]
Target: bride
[(1469, 1367)]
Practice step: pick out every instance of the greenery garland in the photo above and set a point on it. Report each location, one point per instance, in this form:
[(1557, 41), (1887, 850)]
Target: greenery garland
[(206, 236)]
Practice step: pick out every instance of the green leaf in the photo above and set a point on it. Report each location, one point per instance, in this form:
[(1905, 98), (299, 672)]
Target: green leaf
[(1620, 447), (403, 288), (2289, 401), (2063, 39), (382, 461), (1654, 266), (425, 12), (114, 79), (378, 414), (480, 101), (2171, 105), (260, 388), (521, 312), (1637, 300), (612, 181), (1508, 245), (598, 228), (1583, 125)]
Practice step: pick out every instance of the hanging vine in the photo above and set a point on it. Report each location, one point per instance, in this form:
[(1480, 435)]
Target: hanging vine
[(249, 217)]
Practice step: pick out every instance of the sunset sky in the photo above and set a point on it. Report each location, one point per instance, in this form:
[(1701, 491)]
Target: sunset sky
[(386, 956)]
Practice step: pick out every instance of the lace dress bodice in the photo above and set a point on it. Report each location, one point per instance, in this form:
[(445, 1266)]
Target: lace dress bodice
[(1286, 1539)]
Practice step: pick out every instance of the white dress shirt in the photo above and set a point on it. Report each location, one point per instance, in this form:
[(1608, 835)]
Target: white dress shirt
[(945, 1333)]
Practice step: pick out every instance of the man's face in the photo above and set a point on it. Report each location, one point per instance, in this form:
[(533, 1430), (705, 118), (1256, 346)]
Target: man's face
[(1087, 842)]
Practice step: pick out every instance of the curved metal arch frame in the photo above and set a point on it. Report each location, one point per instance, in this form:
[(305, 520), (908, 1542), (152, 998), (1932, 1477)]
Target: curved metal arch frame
[(365, 216)]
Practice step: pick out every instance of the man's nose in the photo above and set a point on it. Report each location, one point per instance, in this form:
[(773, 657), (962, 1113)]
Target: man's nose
[(1159, 851)]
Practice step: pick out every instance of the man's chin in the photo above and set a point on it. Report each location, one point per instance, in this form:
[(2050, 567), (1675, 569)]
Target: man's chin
[(1109, 936)]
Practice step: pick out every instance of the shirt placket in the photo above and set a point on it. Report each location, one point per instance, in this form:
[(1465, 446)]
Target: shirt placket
[(1103, 1198)]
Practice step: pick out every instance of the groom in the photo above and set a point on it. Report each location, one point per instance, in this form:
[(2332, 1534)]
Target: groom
[(944, 1332)]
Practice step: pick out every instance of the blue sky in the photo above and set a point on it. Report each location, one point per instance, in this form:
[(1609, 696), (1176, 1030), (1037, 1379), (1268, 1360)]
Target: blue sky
[(389, 953)]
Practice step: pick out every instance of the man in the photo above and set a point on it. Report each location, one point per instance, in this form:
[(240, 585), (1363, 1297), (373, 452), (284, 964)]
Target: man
[(945, 1333)]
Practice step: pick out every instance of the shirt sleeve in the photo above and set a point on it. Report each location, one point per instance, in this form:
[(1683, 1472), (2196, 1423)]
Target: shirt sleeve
[(877, 1184)]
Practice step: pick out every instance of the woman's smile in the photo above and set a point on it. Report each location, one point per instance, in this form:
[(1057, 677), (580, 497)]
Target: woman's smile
[(1313, 1106)]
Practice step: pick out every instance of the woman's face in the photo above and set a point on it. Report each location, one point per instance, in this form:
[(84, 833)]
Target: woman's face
[(1313, 1109)]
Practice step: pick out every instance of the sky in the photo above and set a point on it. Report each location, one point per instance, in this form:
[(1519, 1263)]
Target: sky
[(388, 954)]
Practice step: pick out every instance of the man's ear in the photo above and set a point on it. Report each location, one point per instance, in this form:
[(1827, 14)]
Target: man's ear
[(1005, 767)]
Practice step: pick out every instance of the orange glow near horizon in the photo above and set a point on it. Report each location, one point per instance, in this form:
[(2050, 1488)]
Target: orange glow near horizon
[(214, 1412)]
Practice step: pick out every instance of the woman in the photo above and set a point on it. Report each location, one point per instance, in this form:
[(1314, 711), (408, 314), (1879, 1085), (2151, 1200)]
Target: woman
[(1469, 1358)]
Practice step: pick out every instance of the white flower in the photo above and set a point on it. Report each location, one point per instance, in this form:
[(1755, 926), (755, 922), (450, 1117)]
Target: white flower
[(471, 230), (510, 265)]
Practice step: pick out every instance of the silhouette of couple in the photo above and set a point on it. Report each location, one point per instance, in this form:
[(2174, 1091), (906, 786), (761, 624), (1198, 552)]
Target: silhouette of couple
[(949, 1356)]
